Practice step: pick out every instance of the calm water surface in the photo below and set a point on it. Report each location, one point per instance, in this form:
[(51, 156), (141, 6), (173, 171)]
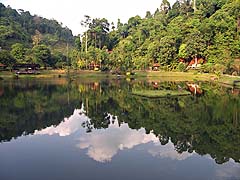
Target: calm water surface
[(52, 129)]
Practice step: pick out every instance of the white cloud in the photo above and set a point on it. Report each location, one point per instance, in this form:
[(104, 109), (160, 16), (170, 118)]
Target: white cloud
[(71, 12), (168, 151), (103, 144)]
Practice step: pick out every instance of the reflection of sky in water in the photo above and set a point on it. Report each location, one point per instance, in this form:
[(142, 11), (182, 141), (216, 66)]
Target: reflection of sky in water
[(103, 144), (229, 170)]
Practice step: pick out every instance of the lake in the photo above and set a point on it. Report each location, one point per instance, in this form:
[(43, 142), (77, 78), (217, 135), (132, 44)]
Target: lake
[(88, 129)]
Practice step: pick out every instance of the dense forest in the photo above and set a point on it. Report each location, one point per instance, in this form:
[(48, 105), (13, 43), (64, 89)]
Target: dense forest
[(205, 30), (26, 38)]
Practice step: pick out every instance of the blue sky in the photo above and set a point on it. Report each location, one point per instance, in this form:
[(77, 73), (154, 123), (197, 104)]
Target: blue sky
[(71, 12)]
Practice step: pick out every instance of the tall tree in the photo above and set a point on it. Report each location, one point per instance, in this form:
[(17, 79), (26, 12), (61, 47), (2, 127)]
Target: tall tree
[(18, 52)]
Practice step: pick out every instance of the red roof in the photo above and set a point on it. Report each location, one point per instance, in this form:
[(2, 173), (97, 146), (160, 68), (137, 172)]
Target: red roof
[(156, 65)]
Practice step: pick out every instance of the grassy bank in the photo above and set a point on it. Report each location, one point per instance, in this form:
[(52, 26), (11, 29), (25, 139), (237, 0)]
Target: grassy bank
[(56, 74), (175, 76), (188, 76), (229, 80), (141, 75)]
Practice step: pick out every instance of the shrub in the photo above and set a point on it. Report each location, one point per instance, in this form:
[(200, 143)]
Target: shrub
[(181, 67)]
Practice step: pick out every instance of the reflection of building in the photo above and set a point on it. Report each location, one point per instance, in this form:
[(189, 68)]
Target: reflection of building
[(194, 89), (3, 66), (155, 85), (1, 91), (94, 86), (235, 91)]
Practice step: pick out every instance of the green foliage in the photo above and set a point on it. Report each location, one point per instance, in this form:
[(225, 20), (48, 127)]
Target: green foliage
[(171, 33), (78, 43), (6, 58), (20, 31), (58, 60), (179, 32), (209, 30), (18, 52), (181, 67), (42, 55)]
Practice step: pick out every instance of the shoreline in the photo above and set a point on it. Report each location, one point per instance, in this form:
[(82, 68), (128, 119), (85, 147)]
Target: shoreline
[(141, 75)]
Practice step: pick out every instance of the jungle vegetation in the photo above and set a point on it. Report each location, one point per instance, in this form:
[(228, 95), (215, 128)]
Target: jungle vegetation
[(207, 29)]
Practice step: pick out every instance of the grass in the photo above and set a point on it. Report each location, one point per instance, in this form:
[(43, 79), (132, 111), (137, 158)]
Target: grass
[(229, 80), (141, 75), (57, 74), (159, 93), (174, 76)]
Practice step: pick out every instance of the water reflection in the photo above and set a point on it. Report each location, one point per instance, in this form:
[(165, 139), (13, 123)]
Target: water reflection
[(103, 144), (229, 170), (68, 126), (208, 124), (103, 123), (168, 151)]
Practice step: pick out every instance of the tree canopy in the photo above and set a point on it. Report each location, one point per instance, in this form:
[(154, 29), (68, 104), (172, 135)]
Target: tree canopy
[(207, 29)]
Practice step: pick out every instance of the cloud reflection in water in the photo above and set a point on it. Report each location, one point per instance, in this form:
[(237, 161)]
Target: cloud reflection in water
[(103, 144)]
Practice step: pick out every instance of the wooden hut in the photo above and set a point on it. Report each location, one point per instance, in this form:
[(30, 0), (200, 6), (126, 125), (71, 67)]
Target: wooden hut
[(26, 68), (156, 67), (94, 66)]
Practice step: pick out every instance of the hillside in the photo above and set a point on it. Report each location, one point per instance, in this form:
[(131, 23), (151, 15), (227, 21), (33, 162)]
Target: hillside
[(20, 26), (26, 38), (190, 34), (207, 30)]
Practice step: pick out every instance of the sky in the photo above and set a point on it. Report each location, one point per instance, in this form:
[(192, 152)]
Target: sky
[(71, 12)]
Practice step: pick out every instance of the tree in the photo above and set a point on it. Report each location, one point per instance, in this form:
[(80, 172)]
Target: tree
[(85, 23), (37, 38), (175, 10), (167, 50), (165, 6), (99, 29), (182, 51), (195, 44), (78, 43), (18, 52), (58, 60), (6, 58), (148, 15), (42, 55)]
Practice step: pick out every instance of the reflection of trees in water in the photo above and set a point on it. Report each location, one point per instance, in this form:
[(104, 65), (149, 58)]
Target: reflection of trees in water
[(28, 106), (208, 124)]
